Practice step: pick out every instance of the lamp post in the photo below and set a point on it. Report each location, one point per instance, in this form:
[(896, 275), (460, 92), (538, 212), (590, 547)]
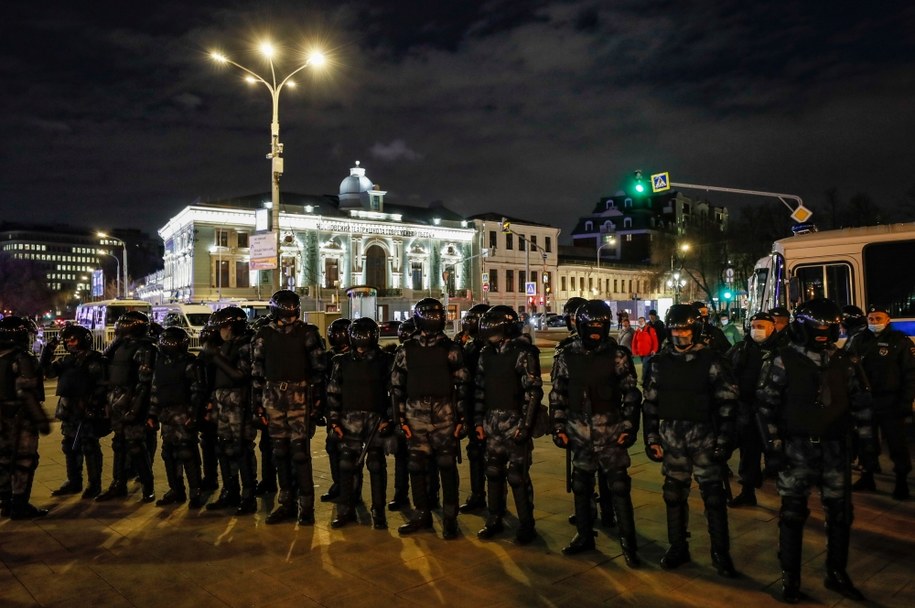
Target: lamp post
[(609, 241), (275, 155), (104, 235), (118, 274), (677, 283)]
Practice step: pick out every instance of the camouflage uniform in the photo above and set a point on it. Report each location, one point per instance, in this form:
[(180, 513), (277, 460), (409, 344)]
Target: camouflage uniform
[(689, 407), (235, 425), (594, 401), (176, 399), (809, 401), (21, 419), (429, 386), (287, 383), (332, 444), (131, 362), (475, 448), (80, 409), (357, 402), (508, 393)]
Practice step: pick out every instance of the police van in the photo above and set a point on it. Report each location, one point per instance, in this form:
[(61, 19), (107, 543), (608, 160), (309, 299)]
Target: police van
[(100, 317), (850, 266), (190, 317)]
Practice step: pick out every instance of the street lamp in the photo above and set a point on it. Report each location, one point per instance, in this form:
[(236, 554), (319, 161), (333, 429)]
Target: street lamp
[(677, 283), (117, 274), (104, 235), (609, 242), (275, 155)]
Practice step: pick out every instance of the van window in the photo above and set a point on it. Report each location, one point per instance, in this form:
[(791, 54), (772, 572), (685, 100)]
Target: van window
[(831, 281), (886, 280)]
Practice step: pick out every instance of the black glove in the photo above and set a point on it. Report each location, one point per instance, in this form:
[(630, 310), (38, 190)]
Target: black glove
[(44, 426), (387, 430), (560, 437), (775, 456), (651, 454), (631, 437), (722, 451), (523, 434)]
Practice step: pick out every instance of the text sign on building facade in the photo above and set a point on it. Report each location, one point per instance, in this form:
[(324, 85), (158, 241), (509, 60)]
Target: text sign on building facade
[(263, 251)]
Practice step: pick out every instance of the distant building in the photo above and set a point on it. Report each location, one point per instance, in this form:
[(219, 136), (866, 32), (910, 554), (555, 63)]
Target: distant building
[(526, 256), (330, 245), (626, 227)]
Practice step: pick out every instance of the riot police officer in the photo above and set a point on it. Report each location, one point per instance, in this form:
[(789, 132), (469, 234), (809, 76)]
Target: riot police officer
[(209, 441), (175, 402), (595, 402), (809, 401), (507, 403), (131, 361), (469, 337), (288, 371), (80, 407), (709, 334), (358, 414), (689, 407), (782, 318), (401, 500), (338, 343), (888, 359), (746, 359), (21, 418), (429, 388), (229, 403)]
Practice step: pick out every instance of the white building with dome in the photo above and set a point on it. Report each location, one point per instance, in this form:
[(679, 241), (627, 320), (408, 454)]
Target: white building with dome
[(352, 243)]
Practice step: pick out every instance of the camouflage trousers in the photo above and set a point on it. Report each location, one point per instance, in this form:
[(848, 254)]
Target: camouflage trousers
[(432, 423), (125, 423), (357, 426), (688, 448), (502, 449), (174, 421), (287, 411), (593, 441), (18, 449), (233, 417), (810, 464)]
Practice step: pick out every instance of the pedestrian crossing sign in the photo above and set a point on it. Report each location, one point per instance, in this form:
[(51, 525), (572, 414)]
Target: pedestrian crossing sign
[(660, 182), (531, 288)]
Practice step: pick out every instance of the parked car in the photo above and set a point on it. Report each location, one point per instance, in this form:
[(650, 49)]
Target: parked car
[(389, 328), (542, 320), (555, 320)]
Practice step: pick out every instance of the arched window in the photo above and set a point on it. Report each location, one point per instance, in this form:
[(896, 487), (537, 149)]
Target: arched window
[(589, 226), (376, 267), (627, 222)]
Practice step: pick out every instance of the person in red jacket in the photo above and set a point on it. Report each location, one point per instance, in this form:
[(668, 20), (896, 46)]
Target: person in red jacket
[(645, 340)]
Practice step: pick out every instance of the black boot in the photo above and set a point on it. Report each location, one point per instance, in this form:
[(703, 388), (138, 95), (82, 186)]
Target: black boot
[(496, 498), (144, 472), (305, 511), (792, 516), (901, 489), (422, 519), (378, 479), (379, 521), (477, 467), (716, 513), (175, 494), (583, 484), (247, 505), (247, 468), (678, 553), (625, 518), (230, 496), (20, 508), (401, 479), (118, 487), (865, 483), (6, 500), (838, 529), (171, 498), (285, 509), (332, 447), (524, 504), (605, 501), (74, 483)]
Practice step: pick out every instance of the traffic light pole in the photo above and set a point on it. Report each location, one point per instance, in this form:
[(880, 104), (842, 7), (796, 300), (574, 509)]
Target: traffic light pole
[(779, 196)]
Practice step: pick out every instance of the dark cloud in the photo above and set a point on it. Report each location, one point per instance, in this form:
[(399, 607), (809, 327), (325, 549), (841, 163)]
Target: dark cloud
[(536, 111)]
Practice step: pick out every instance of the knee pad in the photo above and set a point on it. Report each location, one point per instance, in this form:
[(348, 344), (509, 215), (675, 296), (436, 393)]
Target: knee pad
[(794, 511), (66, 445), (374, 461), (582, 481), (347, 459), (280, 448), (515, 475), (300, 452), (228, 448), (118, 444), (475, 449), (417, 463), (90, 446), (675, 491), (136, 448), (837, 512), (619, 482), (185, 451), (493, 470), (445, 461), (713, 494)]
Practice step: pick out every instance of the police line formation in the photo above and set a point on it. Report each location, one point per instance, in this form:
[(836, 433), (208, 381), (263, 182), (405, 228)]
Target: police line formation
[(785, 393)]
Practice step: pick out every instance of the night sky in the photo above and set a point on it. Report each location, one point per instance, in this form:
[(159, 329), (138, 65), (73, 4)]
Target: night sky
[(113, 115)]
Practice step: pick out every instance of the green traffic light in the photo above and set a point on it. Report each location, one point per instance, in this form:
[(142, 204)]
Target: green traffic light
[(640, 187), (728, 295)]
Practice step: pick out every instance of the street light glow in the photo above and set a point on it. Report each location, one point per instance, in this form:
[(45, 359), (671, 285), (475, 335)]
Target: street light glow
[(218, 57), (317, 59), (266, 49), (291, 84), (250, 79)]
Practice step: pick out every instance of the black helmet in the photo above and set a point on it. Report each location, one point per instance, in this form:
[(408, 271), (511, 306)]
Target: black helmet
[(363, 332), (470, 324), (593, 317), (337, 333), (500, 321), (79, 333), (285, 305), (429, 316), (854, 319), (132, 323), (699, 305), (406, 330), (810, 316), (571, 307), (173, 341), (14, 331), (683, 316), (210, 333), (232, 317), (155, 330)]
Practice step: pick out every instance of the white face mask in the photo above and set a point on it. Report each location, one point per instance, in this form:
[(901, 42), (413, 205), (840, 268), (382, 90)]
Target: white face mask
[(876, 328), (758, 335), (724, 321)]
